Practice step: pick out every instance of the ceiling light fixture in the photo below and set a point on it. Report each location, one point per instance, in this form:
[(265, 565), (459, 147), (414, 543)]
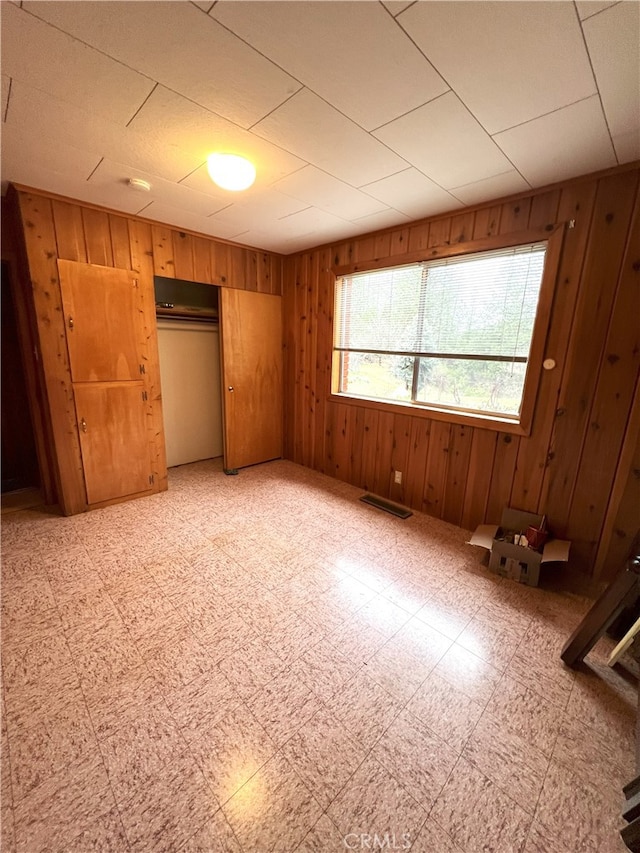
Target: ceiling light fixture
[(230, 171), (139, 184)]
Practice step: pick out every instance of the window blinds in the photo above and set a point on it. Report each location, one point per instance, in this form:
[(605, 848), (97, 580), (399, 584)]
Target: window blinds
[(481, 305)]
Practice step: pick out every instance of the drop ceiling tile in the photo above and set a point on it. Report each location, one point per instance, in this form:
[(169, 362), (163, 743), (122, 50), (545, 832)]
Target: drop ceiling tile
[(159, 212), (50, 157), (174, 120), (268, 207), (313, 130), (508, 62), (178, 46), (397, 6), (317, 188), (627, 146), (444, 141), (586, 8), (496, 187), (376, 221), (572, 141), (325, 44), (412, 193), (613, 40), (175, 195), (38, 114), (67, 69)]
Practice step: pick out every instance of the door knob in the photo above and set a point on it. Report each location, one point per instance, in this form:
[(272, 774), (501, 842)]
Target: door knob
[(83, 425), (230, 387)]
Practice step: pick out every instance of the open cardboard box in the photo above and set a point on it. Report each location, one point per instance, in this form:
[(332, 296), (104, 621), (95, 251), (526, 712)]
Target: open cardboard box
[(518, 562)]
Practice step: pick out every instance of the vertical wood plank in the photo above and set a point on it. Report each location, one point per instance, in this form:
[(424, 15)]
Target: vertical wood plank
[(504, 467), (69, 228), (97, 236), (120, 242), (487, 222), (457, 473), (288, 333), (183, 255), (163, 262), (462, 227), (384, 446), (141, 244), (439, 232), (417, 464), (399, 242), (369, 449), (610, 223), (36, 217), (202, 260), (479, 472), (618, 376), (515, 215), (400, 457), (436, 471), (535, 453), (544, 209)]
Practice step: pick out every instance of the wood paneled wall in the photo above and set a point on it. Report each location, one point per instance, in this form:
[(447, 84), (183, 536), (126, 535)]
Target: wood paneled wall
[(580, 463), (54, 228)]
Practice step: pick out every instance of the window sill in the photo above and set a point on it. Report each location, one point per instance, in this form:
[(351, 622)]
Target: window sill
[(473, 419)]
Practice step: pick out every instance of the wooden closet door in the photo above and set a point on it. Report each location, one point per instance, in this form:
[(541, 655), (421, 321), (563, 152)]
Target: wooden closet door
[(105, 328), (103, 319), (113, 439), (251, 342)]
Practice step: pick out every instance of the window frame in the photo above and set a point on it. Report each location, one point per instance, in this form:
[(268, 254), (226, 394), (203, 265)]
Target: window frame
[(520, 425)]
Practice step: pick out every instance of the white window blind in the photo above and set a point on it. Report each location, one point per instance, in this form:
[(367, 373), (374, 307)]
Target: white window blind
[(454, 332)]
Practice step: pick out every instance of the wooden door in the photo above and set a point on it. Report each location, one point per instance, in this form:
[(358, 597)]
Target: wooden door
[(251, 342), (102, 315), (105, 327), (113, 439)]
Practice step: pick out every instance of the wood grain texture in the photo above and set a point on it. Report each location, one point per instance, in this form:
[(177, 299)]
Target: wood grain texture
[(251, 346), (466, 474), (49, 229)]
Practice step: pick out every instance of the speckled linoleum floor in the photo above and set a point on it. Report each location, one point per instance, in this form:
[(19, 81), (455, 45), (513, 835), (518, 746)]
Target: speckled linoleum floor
[(262, 662)]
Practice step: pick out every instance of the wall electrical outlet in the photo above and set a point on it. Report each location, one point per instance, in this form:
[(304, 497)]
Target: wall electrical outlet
[(397, 477)]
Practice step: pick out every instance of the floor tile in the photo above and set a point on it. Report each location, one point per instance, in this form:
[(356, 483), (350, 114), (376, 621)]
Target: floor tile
[(250, 667), (139, 748), (494, 643), (44, 740), (570, 815), (216, 835), (323, 836), (365, 708), (283, 706), (399, 673), (324, 755), (433, 839), (524, 712), (161, 815), (516, 767), (472, 809), (468, 673), (449, 713), (374, 803), (63, 806), (547, 676), (598, 759), (357, 640), (324, 669), (416, 757), (231, 750), (111, 705), (273, 811), (201, 702)]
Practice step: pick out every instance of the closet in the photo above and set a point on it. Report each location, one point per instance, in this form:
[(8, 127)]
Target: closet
[(87, 286)]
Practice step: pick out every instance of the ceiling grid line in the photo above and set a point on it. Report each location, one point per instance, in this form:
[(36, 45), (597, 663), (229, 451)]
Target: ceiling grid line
[(344, 142)]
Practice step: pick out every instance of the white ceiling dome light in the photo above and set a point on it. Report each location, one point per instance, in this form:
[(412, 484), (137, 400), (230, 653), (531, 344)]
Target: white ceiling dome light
[(230, 171)]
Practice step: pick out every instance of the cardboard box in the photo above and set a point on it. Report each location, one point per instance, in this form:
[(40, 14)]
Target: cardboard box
[(512, 560)]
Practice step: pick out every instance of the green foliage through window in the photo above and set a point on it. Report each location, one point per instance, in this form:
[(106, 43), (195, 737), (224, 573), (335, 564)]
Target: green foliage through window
[(450, 333)]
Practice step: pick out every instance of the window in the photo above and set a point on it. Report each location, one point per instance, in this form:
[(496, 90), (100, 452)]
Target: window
[(453, 333)]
